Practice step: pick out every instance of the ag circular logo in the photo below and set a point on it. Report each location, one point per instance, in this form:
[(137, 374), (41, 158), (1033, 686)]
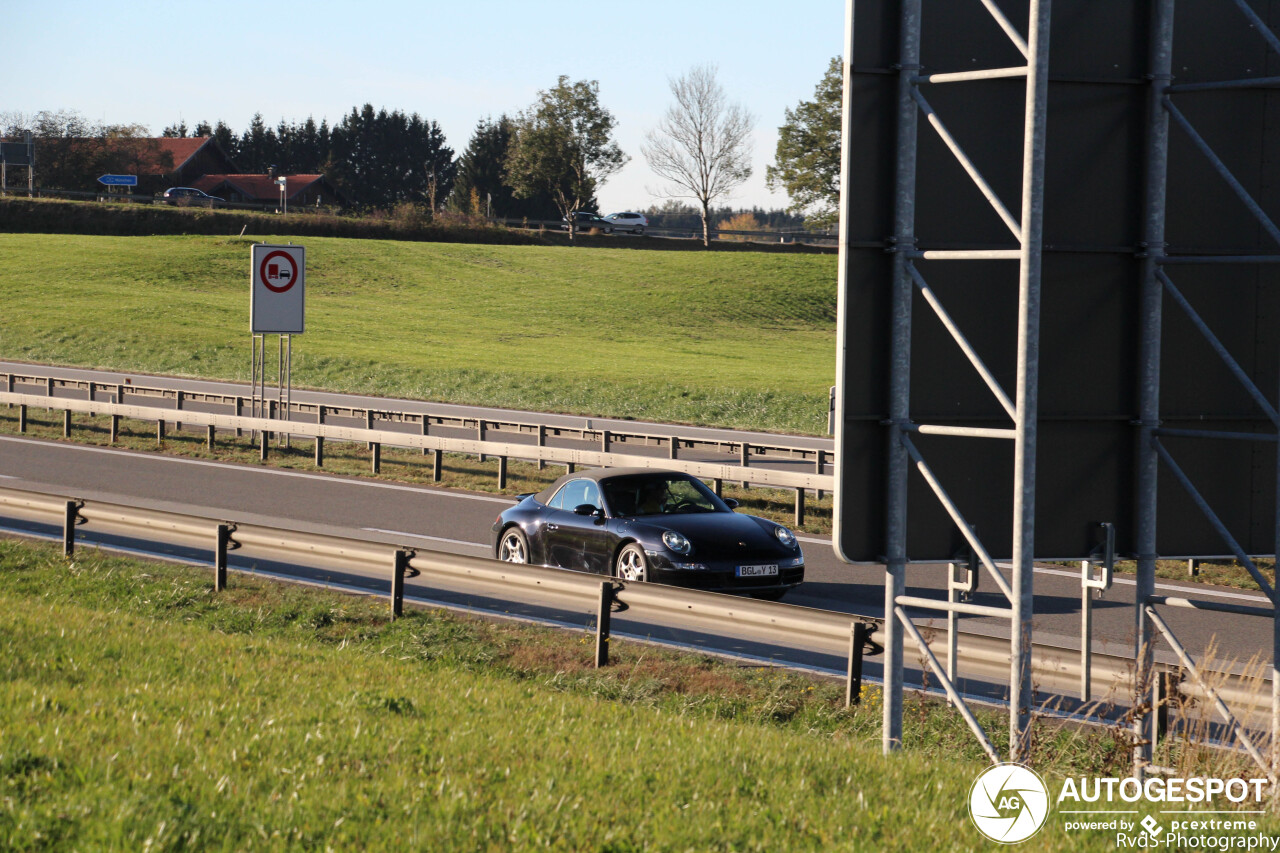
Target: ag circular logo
[(1008, 803)]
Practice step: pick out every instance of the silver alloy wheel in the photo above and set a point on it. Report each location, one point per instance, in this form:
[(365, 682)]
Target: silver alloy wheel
[(631, 565), (513, 548)]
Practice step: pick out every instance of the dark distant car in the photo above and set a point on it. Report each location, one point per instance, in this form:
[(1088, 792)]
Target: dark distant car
[(189, 195), (641, 524), (634, 223), (584, 221)]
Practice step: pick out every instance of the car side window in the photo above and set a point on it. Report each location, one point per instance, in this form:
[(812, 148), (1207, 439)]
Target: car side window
[(575, 493)]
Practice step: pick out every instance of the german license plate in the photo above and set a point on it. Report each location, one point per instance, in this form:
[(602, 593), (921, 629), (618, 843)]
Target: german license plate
[(757, 571)]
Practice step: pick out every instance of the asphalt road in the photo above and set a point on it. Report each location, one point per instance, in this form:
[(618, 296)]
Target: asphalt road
[(459, 522)]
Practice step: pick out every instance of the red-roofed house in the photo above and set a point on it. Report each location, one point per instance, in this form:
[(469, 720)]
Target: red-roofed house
[(310, 190), (191, 157)]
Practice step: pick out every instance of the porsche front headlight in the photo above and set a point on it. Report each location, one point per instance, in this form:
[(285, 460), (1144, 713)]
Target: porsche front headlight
[(785, 536), (676, 541)]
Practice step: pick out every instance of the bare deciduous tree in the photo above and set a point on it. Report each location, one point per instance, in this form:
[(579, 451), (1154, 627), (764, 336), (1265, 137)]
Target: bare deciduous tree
[(703, 144)]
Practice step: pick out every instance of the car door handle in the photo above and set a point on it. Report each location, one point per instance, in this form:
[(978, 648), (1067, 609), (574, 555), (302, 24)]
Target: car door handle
[(553, 527)]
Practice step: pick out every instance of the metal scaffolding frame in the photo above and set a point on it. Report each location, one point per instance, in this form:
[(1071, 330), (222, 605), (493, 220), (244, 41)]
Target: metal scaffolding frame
[(1021, 406), (1157, 284)]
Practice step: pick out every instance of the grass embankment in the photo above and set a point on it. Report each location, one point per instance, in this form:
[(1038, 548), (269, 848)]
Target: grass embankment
[(739, 339), (139, 710)]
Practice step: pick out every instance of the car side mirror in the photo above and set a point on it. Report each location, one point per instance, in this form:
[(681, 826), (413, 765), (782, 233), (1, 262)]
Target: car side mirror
[(730, 503), (587, 509)]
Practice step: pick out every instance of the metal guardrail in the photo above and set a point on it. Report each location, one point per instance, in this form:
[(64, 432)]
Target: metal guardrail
[(1056, 670), (308, 420), (692, 232)]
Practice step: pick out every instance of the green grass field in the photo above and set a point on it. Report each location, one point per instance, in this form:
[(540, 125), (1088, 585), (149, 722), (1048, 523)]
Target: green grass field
[(140, 711), (732, 339)]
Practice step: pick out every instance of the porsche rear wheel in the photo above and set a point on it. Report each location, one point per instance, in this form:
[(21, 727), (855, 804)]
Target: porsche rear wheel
[(513, 547), (631, 564)]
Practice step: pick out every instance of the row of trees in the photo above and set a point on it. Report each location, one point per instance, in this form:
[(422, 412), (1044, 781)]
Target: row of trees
[(548, 160), (375, 157)]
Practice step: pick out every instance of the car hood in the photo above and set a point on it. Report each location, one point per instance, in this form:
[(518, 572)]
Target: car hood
[(726, 533)]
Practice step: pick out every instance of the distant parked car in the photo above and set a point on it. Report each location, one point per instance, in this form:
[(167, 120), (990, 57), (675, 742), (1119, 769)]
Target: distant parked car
[(584, 221), (189, 195), (632, 222)]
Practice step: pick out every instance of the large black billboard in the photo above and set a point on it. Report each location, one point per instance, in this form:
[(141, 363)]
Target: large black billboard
[(1090, 329)]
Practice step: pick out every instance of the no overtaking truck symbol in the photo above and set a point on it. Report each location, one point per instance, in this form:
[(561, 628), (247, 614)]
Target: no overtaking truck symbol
[(278, 271)]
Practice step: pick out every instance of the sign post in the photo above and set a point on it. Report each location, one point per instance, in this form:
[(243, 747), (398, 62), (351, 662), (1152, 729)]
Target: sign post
[(277, 306)]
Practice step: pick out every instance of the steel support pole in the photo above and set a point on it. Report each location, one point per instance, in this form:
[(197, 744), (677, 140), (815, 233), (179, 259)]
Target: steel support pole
[(1024, 462), (1147, 459), (900, 366), (1274, 757)]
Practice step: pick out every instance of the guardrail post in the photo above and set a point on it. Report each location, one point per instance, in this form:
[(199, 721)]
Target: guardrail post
[(66, 423), (397, 582), (71, 517), (717, 485), (319, 451), (368, 423), (437, 465), (115, 428), (376, 460), (502, 473), (542, 442), (262, 445), (746, 461), (570, 467), (93, 387), (604, 616), (22, 417), (480, 436), (209, 437), (817, 469), (426, 429), (239, 410), (160, 431), (48, 386), (800, 507), (1166, 687), (220, 557), (853, 683), (604, 441), (675, 447), (177, 425)]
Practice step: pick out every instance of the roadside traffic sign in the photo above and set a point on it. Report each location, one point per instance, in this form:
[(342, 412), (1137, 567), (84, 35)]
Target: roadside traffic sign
[(119, 180), (277, 303)]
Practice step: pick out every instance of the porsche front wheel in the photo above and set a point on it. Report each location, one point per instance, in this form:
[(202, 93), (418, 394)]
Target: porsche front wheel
[(631, 564), (514, 546)]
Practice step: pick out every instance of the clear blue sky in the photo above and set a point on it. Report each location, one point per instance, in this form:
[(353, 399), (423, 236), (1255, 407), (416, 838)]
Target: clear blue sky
[(157, 62)]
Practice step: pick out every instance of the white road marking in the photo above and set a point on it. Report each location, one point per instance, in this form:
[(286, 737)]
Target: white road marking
[(432, 538), (1188, 591), (271, 471)]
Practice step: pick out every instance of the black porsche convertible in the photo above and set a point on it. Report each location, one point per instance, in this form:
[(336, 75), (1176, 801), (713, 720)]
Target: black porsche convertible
[(649, 525)]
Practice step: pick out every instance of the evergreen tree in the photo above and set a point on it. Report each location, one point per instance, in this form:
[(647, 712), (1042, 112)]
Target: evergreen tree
[(381, 158), (481, 180), (259, 149)]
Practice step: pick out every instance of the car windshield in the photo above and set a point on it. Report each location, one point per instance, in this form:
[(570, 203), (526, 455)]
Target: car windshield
[(659, 494)]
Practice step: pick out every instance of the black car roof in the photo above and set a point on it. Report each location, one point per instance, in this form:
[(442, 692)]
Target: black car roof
[(598, 474)]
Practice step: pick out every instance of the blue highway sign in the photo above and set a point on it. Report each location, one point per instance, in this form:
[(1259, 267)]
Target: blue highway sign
[(119, 180)]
